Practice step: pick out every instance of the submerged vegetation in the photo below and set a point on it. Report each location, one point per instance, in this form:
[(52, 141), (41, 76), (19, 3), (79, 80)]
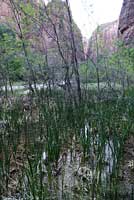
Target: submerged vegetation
[(66, 121)]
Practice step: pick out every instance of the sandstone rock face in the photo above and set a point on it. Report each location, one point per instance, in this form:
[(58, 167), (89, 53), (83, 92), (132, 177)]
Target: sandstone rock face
[(58, 26), (85, 45), (5, 10), (103, 40), (126, 22)]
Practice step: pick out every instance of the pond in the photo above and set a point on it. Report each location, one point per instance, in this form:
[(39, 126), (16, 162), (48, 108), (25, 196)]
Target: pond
[(55, 151), (23, 88)]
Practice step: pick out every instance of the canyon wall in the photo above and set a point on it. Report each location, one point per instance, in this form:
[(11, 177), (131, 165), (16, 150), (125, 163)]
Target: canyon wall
[(126, 22), (103, 40), (58, 26)]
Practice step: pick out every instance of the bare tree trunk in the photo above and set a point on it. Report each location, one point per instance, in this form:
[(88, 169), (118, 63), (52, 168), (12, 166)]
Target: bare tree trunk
[(9, 80), (74, 53), (97, 63), (67, 76), (113, 89), (17, 18), (45, 49)]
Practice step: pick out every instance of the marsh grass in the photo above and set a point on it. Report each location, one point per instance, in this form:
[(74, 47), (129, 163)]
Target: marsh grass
[(54, 126)]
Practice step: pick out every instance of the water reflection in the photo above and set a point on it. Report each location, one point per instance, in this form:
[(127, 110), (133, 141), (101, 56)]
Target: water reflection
[(97, 166)]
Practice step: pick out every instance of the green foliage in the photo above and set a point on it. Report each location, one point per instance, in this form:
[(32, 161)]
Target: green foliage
[(4, 29), (11, 59), (87, 72), (16, 69), (28, 9), (123, 58), (84, 69), (130, 92)]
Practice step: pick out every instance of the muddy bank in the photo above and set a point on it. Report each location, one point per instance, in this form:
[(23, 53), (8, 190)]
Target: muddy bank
[(127, 170)]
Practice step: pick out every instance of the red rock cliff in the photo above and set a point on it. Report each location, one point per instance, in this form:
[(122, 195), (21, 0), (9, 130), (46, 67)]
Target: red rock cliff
[(103, 40), (126, 22)]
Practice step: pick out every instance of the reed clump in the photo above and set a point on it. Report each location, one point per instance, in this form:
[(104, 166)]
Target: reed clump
[(91, 135)]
